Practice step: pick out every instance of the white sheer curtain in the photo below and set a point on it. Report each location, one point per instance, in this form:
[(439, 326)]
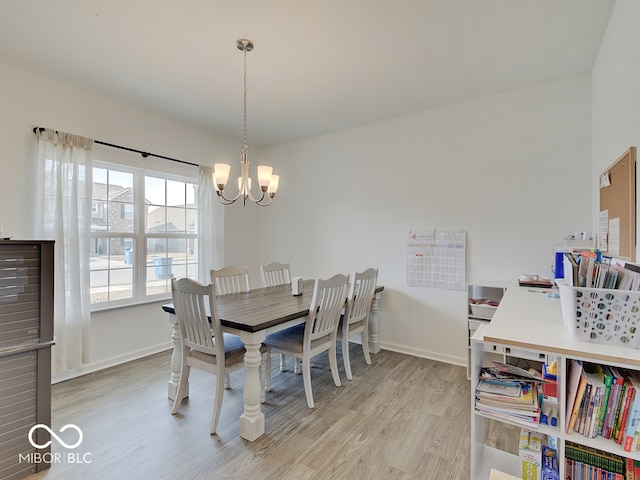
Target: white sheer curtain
[(63, 213), (210, 226)]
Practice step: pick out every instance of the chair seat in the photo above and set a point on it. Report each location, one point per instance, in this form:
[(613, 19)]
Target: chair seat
[(233, 351), (352, 326), (290, 339)]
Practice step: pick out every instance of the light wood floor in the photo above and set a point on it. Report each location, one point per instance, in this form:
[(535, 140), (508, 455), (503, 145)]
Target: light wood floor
[(401, 418)]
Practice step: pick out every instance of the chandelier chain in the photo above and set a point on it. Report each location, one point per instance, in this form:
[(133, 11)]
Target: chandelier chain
[(245, 147)]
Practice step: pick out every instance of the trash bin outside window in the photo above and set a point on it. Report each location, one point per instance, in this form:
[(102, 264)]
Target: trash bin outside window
[(128, 256), (163, 267)]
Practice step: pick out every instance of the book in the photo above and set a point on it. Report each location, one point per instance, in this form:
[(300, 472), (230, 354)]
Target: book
[(502, 375), (583, 412), (629, 400), (595, 403), (616, 273), (573, 265), (623, 406), (499, 388), (589, 462), (517, 372), (635, 446), (593, 421), (589, 259), (607, 378), (632, 418), (573, 380), (586, 261), (612, 279), (516, 402), (631, 276), (629, 473), (526, 402), (580, 384), (604, 271), (614, 399), (526, 421)]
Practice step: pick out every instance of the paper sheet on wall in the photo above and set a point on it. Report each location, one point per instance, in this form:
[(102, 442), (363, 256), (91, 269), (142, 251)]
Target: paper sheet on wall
[(436, 259), (614, 236), (603, 230)]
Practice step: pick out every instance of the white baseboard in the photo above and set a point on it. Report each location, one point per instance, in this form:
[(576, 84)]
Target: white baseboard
[(110, 362), (453, 360)]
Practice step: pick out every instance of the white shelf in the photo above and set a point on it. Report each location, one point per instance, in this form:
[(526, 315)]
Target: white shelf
[(494, 458), (529, 325), (483, 314)]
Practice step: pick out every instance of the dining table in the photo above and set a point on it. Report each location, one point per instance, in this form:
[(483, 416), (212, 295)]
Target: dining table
[(252, 316)]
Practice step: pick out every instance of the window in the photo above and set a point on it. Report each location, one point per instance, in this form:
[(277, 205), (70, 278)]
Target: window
[(126, 211), (143, 233)]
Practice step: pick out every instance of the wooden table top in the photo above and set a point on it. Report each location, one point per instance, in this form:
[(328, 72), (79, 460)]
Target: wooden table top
[(262, 308)]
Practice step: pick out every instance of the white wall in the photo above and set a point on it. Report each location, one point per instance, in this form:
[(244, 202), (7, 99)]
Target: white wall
[(616, 94), (28, 100), (509, 169), (512, 169)]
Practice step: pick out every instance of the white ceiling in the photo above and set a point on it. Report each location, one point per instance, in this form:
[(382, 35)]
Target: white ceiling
[(318, 65)]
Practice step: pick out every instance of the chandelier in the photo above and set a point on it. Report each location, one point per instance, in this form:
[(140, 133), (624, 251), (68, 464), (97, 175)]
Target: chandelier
[(266, 180)]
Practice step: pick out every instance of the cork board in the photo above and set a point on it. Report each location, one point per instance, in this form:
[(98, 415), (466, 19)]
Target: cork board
[(618, 200)]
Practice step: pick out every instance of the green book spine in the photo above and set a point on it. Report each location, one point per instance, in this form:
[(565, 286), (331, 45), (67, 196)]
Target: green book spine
[(607, 379)]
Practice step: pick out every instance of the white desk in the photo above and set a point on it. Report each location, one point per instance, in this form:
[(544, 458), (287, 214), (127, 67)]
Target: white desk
[(528, 324), (530, 319)]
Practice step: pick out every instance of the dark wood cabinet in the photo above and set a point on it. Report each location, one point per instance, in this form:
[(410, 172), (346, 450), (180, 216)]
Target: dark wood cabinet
[(26, 337)]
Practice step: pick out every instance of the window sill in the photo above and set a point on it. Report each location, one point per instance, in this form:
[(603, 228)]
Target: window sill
[(133, 303)]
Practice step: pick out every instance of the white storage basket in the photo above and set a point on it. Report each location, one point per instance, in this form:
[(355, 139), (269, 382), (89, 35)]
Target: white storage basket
[(482, 310), (601, 315)]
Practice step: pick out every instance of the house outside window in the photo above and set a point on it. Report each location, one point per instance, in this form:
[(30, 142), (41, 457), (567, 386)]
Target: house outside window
[(143, 233)]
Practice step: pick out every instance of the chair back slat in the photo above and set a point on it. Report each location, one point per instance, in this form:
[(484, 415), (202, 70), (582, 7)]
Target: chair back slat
[(275, 273), (194, 304), (328, 300), (230, 279), (361, 293)]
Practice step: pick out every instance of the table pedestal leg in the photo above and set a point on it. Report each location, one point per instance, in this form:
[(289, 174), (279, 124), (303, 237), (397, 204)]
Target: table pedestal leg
[(176, 359), (374, 328), (252, 420)]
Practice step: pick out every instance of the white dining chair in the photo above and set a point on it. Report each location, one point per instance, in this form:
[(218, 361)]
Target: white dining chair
[(230, 279), (204, 345), (275, 273), (356, 315), (318, 334)]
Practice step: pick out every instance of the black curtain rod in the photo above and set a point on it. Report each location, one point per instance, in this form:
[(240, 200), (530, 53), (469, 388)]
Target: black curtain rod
[(144, 154)]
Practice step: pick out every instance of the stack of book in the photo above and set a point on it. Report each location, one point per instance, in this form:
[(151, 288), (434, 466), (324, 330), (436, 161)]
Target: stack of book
[(584, 463), (593, 270), (509, 393), (604, 401)]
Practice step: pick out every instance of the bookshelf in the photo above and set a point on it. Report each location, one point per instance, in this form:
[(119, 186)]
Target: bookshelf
[(481, 314), (529, 325)]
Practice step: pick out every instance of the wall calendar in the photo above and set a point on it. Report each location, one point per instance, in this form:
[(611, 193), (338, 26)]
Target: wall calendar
[(436, 259)]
